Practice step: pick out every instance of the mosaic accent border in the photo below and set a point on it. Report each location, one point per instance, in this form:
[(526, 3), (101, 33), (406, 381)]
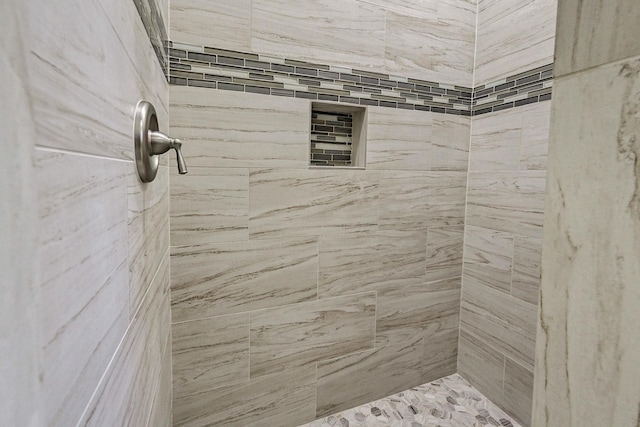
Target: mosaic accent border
[(155, 27), (207, 67)]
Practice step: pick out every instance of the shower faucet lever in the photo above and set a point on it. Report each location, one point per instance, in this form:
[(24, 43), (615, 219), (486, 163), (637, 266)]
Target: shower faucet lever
[(149, 143), (161, 143)]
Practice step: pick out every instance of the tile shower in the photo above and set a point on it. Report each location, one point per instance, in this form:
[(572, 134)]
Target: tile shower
[(284, 292), (299, 292)]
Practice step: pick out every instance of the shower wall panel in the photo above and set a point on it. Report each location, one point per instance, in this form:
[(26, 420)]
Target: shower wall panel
[(297, 292), (103, 236)]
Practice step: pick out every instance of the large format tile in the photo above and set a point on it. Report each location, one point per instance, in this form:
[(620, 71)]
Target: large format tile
[(488, 257), (342, 33), (438, 50), (418, 8), (228, 278), (450, 142), (148, 226), (440, 355), (444, 252), (209, 205), (417, 200), (407, 308), (518, 391), (285, 398), (398, 139), (495, 142), (482, 366), (587, 356), (210, 353), (590, 34), (162, 409), (83, 276), (349, 381), (534, 145), (125, 394), (505, 323), (527, 257), (84, 87), (286, 203), (234, 129), (513, 37), (507, 201), (368, 262), (191, 22), (300, 334)]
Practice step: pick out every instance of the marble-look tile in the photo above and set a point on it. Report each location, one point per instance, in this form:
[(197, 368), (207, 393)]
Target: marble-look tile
[(495, 142), (83, 276), (534, 145), (415, 200), (300, 334), (209, 205), (148, 230), (449, 401), (286, 398), (210, 353), (368, 262), (505, 323), (342, 33), (527, 257), (590, 34), (284, 203), (434, 50), (482, 366), (20, 350), (444, 252), (450, 136), (348, 381), (398, 139), (507, 201), (488, 257), (440, 355), (240, 130), (124, 395), (518, 391), (85, 88), (229, 278), (588, 342), (406, 308), (417, 8), (161, 411), (191, 23), (513, 37)]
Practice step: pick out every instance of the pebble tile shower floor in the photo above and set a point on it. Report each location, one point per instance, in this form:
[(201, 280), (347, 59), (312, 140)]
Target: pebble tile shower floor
[(448, 402)]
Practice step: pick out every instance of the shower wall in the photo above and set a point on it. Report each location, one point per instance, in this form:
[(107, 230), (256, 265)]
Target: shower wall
[(102, 235), (505, 204), (588, 340), (299, 292)]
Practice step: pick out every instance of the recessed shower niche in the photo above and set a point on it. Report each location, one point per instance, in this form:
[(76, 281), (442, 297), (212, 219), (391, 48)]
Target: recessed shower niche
[(338, 135)]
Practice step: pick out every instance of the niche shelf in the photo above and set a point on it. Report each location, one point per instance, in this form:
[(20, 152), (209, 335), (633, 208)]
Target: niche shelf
[(338, 136)]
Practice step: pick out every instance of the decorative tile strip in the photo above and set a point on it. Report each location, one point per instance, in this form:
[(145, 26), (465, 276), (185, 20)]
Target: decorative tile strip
[(200, 66), (154, 25), (331, 138), (520, 89)]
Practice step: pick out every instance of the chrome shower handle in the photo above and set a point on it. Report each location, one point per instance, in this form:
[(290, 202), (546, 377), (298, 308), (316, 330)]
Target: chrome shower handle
[(149, 143), (161, 143)]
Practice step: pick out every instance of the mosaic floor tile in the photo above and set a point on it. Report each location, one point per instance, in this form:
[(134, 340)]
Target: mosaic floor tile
[(448, 402)]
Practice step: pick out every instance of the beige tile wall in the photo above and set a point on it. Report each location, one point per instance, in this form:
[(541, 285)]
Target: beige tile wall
[(427, 40), (502, 254), (588, 338), (513, 37), (291, 285), (103, 236)]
